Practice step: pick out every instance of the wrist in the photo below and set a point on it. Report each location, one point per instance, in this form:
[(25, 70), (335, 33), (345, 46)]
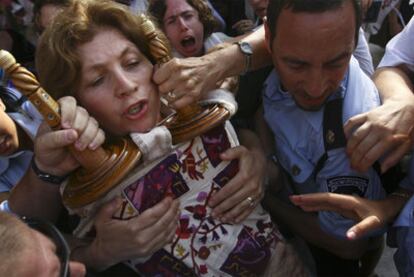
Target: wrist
[(231, 63), (51, 169), (246, 49), (394, 203), (403, 195), (46, 176), (91, 256)]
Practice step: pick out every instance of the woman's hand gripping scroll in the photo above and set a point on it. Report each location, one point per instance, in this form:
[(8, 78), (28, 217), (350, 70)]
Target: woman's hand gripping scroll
[(78, 128)]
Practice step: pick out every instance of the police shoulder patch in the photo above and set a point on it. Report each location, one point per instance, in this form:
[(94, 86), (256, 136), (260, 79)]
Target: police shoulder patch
[(353, 185)]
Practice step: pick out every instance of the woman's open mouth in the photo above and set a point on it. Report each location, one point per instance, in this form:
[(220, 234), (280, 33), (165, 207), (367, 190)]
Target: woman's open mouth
[(137, 110), (188, 42)]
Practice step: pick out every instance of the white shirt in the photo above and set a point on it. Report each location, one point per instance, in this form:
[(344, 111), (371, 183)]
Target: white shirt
[(362, 54), (400, 50)]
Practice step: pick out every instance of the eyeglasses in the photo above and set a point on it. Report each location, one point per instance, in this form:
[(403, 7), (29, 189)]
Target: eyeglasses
[(49, 230)]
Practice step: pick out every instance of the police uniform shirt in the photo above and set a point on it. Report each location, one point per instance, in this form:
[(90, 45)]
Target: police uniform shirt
[(300, 143), (403, 237), (402, 233), (13, 167)]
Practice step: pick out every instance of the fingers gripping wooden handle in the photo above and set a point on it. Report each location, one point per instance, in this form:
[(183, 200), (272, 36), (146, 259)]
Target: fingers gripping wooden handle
[(101, 169), (27, 84)]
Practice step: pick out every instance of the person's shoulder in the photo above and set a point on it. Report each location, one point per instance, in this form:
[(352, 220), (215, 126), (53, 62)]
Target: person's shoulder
[(272, 82), (361, 95), (272, 89), (399, 49)]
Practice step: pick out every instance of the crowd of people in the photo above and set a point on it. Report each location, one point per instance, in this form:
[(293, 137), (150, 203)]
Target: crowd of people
[(309, 176)]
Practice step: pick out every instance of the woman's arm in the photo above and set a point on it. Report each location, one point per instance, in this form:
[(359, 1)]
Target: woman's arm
[(35, 197), (192, 77), (116, 240)]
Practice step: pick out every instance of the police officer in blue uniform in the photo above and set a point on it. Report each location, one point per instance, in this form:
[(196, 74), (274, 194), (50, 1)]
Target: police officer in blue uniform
[(316, 86)]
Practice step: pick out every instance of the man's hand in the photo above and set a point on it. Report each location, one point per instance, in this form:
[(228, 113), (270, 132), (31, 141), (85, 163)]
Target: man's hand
[(187, 78), (386, 131), (370, 214)]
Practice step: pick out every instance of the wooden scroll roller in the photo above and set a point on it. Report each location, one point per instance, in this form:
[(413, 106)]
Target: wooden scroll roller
[(105, 167), (101, 169), (192, 120)]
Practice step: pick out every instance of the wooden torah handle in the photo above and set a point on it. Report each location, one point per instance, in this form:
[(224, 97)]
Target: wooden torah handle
[(101, 169), (191, 120), (27, 84)]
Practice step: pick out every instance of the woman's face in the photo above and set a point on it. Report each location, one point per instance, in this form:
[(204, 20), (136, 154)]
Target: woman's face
[(116, 85), (183, 28)]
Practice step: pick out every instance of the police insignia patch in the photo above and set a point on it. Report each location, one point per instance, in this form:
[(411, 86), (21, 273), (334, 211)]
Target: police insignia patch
[(353, 185)]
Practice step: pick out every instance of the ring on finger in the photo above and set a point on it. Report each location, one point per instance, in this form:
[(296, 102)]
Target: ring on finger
[(172, 95), (250, 200)]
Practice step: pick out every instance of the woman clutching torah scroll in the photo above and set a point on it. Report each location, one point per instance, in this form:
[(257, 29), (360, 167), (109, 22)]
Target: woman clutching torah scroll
[(97, 52)]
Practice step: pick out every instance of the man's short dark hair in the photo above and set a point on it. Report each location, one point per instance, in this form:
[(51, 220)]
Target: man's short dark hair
[(275, 7)]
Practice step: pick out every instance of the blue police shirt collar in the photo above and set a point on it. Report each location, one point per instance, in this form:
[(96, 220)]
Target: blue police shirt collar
[(274, 92)]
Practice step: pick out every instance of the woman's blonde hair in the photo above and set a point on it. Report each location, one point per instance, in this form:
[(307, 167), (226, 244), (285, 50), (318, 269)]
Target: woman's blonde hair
[(57, 59)]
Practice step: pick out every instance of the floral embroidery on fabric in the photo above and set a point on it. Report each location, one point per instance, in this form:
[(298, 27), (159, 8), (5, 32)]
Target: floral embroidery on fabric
[(160, 182), (202, 246), (250, 256), (215, 142)]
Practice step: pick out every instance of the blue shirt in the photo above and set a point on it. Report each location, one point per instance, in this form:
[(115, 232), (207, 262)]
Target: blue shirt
[(13, 167), (403, 230), (299, 142)]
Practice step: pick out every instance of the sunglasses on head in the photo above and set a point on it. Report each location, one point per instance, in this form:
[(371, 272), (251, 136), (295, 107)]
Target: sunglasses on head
[(50, 231)]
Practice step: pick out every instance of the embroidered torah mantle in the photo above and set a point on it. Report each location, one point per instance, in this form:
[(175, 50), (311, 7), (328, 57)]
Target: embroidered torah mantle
[(202, 246)]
